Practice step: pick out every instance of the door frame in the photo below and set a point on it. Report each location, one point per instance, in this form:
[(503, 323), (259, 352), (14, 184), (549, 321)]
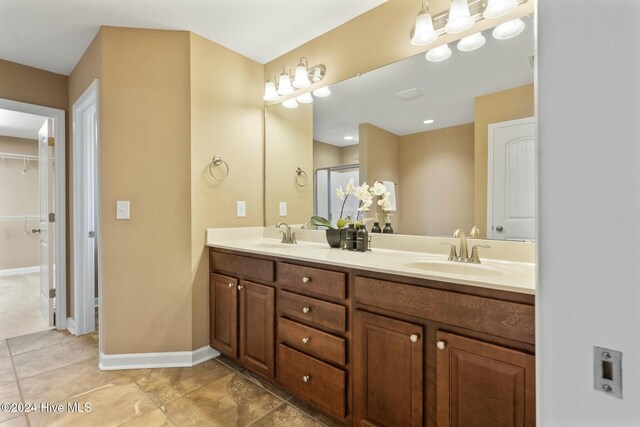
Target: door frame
[(84, 278), (59, 149), (492, 129)]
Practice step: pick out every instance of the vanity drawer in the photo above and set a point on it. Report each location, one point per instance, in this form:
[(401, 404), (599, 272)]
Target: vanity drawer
[(325, 385), (247, 267), (311, 340), (501, 318), (314, 280), (312, 310)]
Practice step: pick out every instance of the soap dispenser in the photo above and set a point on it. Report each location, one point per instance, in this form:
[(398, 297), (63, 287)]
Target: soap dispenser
[(350, 237), (376, 226), (362, 238)]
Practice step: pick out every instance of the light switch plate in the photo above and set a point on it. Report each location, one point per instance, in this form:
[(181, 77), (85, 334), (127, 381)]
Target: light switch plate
[(283, 208), (241, 209), (123, 209)]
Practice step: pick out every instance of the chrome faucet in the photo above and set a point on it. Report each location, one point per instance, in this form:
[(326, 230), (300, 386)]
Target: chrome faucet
[(464, 252), (288, 236)]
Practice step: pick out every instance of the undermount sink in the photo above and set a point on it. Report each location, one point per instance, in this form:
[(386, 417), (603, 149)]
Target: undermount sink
[(452, 267)]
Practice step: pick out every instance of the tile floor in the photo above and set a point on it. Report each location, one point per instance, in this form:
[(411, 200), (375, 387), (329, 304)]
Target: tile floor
[(19, 305), (56, 367)]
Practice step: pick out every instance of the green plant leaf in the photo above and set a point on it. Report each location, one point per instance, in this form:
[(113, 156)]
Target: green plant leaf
[(318, 220)]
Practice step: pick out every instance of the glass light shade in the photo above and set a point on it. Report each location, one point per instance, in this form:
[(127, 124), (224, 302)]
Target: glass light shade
[(424, 33), (459, 19), (439, 54), (290, 103), (270, 91), (322, 92), (472, 42), (284, 86), (508, 29), (301, 78), (499, 8), (305, 98)]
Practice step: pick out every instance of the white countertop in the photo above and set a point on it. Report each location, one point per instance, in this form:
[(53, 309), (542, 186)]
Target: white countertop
[(505, 275)]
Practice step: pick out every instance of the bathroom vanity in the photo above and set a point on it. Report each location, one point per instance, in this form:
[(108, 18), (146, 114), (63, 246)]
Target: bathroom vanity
[(387, 338)]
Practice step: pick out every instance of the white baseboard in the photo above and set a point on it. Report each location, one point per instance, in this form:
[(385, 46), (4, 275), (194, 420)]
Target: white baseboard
[(16, 271), (170, 359), (71, 326)]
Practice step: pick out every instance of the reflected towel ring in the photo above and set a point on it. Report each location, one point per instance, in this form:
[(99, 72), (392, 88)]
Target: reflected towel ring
[(301, 178), (217, 161)]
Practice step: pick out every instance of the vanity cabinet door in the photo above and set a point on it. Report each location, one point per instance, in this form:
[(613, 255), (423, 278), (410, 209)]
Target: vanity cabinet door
[(257, 328), (223, 308), (481, 384), (388, 371)]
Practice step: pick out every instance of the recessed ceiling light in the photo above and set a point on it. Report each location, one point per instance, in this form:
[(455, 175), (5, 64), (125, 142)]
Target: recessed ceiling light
[(348, 138), (428, 121)]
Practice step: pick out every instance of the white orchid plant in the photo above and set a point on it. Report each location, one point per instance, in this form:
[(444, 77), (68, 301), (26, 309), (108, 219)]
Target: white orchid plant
[(366, 195)]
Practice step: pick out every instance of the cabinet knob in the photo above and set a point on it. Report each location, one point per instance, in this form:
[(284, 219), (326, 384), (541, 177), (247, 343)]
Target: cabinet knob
[(306, 279), (441, 345), (306, 340), (305, 310), (414, 338), (240, 287), (306, 378), (230, 285)]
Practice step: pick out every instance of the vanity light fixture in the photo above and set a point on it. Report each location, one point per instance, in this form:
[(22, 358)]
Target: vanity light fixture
[(459, 17), (439, 54), (423, 32), (270, 91), (428, 121), (284, 84), (472, 42), (508, 30), (290, 103), (499, 8), (305, 98), (322, 92), (301, 78)]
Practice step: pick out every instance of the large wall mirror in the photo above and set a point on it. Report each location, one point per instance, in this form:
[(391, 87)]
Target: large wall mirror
[(452, 140)]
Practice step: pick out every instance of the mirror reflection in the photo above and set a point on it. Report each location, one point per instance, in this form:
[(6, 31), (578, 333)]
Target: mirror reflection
[(452, 141)]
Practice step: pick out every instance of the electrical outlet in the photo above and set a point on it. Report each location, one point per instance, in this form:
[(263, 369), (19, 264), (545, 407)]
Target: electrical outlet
[(283, 208), (123, 209), (241, 209)]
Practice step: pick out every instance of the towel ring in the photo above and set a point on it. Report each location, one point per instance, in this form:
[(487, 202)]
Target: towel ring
[(301, 176), (217, 161)]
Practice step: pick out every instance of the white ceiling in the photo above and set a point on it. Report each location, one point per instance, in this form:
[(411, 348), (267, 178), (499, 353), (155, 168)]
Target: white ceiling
[(53, 34), (449, 90), (20, 125)]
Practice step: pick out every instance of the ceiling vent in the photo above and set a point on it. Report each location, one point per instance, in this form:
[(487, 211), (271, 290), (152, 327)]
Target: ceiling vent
[(408, 94)]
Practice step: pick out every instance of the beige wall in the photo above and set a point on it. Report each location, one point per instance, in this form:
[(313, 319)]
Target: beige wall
[(288, 145), (326, 155), (379, 152), (31, 85), (497, 107), (436, 170), (19, 196), (226, 119), (350, 155)]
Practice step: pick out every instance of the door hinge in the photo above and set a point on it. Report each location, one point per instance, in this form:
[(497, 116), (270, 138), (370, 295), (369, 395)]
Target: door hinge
[(51, 141), (52, 293), (52, 217)]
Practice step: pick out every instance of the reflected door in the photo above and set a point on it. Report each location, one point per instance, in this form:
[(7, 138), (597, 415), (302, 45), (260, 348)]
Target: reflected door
[(47, 216), (512, 175)]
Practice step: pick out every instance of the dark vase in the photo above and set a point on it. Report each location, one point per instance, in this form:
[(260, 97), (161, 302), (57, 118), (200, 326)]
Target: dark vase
[(335, 238), (387, 229)]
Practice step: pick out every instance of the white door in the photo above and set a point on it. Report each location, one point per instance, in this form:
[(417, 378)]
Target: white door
[(47, 208), (512, 178)]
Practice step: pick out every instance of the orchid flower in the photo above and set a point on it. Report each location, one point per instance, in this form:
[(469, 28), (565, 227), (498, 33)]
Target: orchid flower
[(340, 193)]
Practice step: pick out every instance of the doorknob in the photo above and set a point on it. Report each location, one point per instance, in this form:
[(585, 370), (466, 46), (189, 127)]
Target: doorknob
[(36, 230), (499, 228)]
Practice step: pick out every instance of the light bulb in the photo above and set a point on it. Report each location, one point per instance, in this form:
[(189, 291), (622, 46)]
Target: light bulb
[(508, 29), (459, 19), (498, 8), (305, 98), (428, 121), (284, 86), (423, 33), (322, 92), (439, 54), (270, 91), (301, 78), (290, 103), (472, 42)]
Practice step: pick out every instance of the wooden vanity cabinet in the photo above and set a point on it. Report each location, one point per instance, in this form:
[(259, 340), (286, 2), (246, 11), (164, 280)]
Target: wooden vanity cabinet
[(223, 304)]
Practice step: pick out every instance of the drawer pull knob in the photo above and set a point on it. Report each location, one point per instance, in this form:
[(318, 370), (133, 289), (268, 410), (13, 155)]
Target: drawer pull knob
[(306, 378), (414, 338), (441, 345), (306, 310), (240, 287), (306, 279), (306, 340), (230, 285)]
